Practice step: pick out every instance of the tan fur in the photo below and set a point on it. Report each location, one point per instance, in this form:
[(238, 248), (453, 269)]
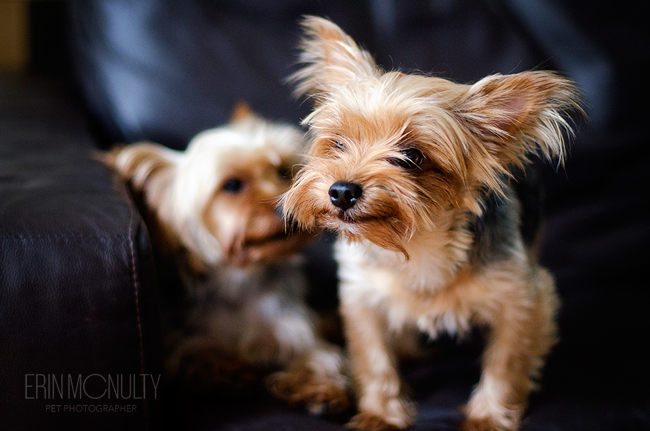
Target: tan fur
[(212, 209), (405, 248)]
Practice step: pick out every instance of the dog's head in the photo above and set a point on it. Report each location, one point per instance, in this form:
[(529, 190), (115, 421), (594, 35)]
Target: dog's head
[(390, 152), (216, 201)]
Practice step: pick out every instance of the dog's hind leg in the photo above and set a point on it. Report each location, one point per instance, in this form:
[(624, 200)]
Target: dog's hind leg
[(314, 380)]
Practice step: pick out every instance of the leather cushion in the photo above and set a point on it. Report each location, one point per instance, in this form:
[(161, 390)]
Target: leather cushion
[(76, 283)]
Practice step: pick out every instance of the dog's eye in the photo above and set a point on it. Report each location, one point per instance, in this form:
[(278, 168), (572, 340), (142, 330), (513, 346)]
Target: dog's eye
[(285, 173), (233, 185), (339, 145), (412, 158)]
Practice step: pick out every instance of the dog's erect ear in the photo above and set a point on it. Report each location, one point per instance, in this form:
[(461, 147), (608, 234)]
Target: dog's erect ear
[(515, 115), (241, 111), (331, 58), (148, 168)]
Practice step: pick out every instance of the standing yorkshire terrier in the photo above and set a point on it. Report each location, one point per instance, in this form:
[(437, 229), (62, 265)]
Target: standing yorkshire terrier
[(415, 173), (212, 211)]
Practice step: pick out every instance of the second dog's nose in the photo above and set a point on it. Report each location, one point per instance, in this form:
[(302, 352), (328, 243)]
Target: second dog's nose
[(345, 194)]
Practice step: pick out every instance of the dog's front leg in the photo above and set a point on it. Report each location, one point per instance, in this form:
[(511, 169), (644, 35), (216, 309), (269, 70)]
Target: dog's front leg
[(381, 403), (522, 331)]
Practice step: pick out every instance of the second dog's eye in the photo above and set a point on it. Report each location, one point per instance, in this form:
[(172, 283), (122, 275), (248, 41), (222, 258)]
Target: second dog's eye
[(233, 185), (413, 158), (285, 173)]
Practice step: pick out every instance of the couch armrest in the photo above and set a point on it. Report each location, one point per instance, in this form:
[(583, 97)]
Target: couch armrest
[(79, 319)]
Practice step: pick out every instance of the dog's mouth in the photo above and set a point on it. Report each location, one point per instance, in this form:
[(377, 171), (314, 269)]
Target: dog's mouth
[(272, 247), (348, 217), (280, 235), (386, 231)]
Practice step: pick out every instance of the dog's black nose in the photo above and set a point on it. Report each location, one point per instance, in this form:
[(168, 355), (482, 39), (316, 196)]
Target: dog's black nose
[(345, 194)]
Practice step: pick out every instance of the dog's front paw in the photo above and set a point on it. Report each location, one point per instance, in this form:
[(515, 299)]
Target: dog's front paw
[(481, 424), (372, 422), (305, 390), (485, 413), (397, 414)]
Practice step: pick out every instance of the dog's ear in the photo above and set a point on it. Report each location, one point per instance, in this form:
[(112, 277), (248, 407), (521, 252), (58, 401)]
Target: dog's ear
[(515, 115), (148, 168), (331, 58), (241, 111)]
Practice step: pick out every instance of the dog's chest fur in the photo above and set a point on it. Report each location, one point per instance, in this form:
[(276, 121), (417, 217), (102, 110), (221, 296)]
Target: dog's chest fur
[(429, 290), (446, 279), (228, 299)]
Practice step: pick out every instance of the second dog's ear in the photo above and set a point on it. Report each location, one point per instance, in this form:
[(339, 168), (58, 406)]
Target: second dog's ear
[(150, 170), (330, 56), (241, 111), (148, 167)]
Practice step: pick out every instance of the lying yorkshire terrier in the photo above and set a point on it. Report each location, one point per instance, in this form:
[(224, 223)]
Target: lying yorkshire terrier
[(416, 175), (212, 210)]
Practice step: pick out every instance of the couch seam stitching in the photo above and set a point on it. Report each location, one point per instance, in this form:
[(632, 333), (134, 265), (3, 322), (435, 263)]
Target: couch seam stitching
[(137, 308)]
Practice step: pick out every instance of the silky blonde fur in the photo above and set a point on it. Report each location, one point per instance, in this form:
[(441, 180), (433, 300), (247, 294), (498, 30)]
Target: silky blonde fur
[(407, 253), (211, 209)]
